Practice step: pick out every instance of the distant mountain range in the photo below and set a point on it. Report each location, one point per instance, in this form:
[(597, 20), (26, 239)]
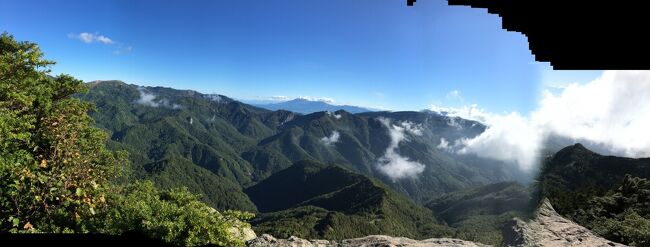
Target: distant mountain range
[(306, 106)]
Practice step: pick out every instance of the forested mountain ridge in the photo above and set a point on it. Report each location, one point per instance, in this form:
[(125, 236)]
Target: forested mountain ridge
[(246, 144)]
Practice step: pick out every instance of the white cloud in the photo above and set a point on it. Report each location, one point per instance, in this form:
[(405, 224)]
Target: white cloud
[(104, 40), (613, 111), (150, 99), (454, 95), (510, 137), (444, 144), (393, 164), (89, 38), (331, 114), (321, 99), (470, 112), (214, 97), (333, 138), (92, 37), (279, 98), (454, 122), (147, 98)]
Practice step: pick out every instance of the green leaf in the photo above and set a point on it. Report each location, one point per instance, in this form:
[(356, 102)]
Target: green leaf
[(79, 192)]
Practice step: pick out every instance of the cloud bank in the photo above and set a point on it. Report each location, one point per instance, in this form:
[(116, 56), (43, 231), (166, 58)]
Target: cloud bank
[(330, 140), (612, 111), (393, 164), (150, 99)]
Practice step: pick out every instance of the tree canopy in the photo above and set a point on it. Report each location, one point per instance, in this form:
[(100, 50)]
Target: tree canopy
[(57, 176)]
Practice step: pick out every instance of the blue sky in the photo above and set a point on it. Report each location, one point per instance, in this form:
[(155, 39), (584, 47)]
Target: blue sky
[(375, 53)]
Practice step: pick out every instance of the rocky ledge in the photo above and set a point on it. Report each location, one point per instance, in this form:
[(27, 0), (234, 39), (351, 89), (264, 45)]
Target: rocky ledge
[(373, 240), (548, 228)]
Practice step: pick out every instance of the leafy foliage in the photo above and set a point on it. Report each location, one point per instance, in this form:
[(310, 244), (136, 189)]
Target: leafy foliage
[(175, 215), (53, 166), (57, 176), (623, 214)]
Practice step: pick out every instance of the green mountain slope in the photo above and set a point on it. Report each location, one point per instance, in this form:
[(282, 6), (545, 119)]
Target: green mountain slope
[(245, 144), (313, 200), (197, 136), (364, 138), (609, 195)]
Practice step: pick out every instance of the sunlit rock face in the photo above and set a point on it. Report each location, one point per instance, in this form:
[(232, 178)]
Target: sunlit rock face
[(548, 228)]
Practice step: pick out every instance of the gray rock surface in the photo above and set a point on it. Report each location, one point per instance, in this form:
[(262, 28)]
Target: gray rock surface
[(373, 240), (548, 228)]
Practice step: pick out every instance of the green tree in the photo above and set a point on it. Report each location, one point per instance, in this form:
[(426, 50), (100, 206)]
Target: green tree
[(175, 215), (54, 169), (57, 176)]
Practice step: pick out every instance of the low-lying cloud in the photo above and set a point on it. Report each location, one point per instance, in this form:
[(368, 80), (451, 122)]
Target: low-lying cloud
[(330, 140), (150, 99), (612, 111), (214, 97), (332, 114), (392, 163)]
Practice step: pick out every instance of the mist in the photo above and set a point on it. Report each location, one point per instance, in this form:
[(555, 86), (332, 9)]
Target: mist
[(392, 163)]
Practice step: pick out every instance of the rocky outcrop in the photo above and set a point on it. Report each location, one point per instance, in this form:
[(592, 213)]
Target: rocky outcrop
[(548, 228), (373, 240)]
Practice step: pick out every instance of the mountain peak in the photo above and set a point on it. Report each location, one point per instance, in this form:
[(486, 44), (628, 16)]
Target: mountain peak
[(576, 149)]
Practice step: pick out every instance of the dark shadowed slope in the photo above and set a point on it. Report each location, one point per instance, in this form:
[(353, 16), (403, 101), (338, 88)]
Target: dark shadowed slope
[(313, 200)]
